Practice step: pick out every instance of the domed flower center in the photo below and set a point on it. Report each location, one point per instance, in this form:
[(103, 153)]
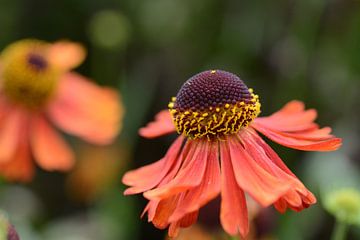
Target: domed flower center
[(27, 77), (213, 104)]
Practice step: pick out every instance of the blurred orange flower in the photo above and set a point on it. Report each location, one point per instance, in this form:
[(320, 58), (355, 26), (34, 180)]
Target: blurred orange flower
[(38, 90), (220, 152), (96, 170), (196, 232)]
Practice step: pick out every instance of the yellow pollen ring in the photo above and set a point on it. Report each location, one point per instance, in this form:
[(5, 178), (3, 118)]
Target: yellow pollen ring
[(214, 123), (23, 82)]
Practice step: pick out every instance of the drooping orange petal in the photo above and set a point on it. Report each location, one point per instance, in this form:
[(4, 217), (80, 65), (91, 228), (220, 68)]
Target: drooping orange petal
[(50, 151), (152, 207), (19, 167), (208, 189), (11, 127), (258, 141), (86, 110), (188, 220), (294, 127), (233, 211), (254, 146), (189, 176), (164, 210), (66, 55), (298, 197), (149, 176), (162, 125), (300, 141), (253, 177), (281, 205), (287, 201)]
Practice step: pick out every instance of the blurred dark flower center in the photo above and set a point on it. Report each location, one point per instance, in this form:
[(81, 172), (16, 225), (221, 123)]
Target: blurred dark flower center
[(37, 62)]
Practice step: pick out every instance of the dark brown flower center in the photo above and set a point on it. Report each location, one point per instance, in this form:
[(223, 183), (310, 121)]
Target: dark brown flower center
[(211, 89), (212, 104), (38, 62)]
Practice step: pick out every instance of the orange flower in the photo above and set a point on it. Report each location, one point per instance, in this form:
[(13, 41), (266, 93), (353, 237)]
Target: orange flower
[(220, 152), (95, 171), (37, 91)]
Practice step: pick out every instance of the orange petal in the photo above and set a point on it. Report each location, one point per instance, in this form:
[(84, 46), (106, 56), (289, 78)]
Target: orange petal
[(162, 125), (188, 220), (292, 117), (19, 167), (258, 141), (287, 201), (254, 177), (281, 205), (174, 229), (233, 211), (164, 210), (298, 197), (11, 127), (5, 107), (152, 207), (86, 110), (50, 151), (66, 55), (149, 176), (190, 174), (294, 127), (209, 188), (309, 141)]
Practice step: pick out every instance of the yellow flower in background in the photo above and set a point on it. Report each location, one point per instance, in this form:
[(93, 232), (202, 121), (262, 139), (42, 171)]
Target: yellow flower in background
[(38, 90), (344, 204)]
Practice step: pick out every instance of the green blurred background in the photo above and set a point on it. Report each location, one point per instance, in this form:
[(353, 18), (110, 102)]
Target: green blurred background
[(296, 49)]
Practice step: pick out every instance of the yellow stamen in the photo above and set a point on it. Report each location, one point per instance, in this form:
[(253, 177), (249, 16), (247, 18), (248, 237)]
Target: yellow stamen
[(215, 123)]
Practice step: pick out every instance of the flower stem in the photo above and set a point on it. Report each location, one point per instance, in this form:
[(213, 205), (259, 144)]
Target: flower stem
[(339, 232)]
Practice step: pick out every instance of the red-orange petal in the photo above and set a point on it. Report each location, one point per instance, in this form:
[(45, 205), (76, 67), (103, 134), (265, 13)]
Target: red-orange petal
[(19, 167), (188, 220), (11, 127), (208, 189), (66, 55), (149, 176), (164, 209), (50, 151), (294, 127), (298, 197), (189, 176), (291, 117), (287, 201), (253, 176), (307, 142), (233, 211), (86, 110), (162, 125)]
